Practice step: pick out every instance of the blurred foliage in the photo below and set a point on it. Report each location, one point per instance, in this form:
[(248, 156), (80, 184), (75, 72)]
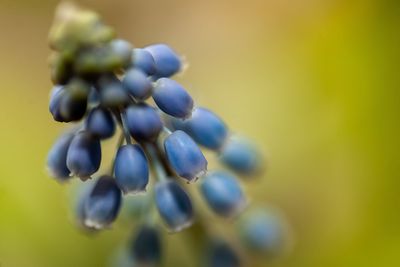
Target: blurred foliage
[(316, 83)]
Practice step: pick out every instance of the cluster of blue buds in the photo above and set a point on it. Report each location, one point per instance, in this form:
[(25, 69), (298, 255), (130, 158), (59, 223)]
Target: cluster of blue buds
[(108, 88)]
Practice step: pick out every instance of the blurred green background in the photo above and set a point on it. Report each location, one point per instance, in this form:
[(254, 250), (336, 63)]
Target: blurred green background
[(315, 83)]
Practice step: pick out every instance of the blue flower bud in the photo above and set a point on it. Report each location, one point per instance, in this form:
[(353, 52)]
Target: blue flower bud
[(223, 193), (131, 169), (103, 203), (69, 103), (57, 158), (144, 61), (172, 98), (137, 84), (166, 60), (241, 156), (221, 254), (143, 122), (263, 231), (205, 127), (174, 205), (184, 156), (54, 106), (84, 155), (146, 246), (100, 123), (112, 93), (72, 105)]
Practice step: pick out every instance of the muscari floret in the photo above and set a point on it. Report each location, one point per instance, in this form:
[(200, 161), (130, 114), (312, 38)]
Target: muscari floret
[(222, 193), (57, 158), (167, 62), (102, 204), (143, 60), (143, 122), (137, 84), (172, 98), (174, 205), (145, 248), (184, 156), (100, 123), (131, 169), (222, 254), (84, 155)]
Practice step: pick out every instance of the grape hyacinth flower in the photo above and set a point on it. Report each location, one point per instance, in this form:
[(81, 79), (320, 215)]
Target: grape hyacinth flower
[(223, 193), (105, 86)]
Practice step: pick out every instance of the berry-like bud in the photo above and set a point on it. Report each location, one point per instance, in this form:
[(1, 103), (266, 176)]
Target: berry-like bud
[(143, 122), (174, 205), (241, 156), (172, 98), (167, 62), (100, 123), (112, 94), (84, 155), (263, 231), (131, 169), (222, 193), (102, 204), (221, 254), (184, 156), (144, 61), (137, 84), (57, 158), (54, 106), (73, 104), (146, 246)]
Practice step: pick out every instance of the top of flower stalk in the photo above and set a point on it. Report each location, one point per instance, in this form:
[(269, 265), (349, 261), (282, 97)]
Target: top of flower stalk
[(74, 27)]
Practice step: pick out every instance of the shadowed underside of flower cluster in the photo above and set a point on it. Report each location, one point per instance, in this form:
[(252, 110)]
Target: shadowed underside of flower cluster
[(103, 86)]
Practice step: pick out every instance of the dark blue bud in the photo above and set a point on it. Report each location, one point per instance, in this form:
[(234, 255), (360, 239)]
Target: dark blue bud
[(223, 193), (144, 61), (263, 231), (146, 246), (137, 84), (205, 127), (84, 155), (172, 98), (174, 205), (167, 61), (103, 203), (57, 158), (143, 122), (241, 156), (100, 123), (131, 169), (184, 156), (73, 101), (221, 254), (112, 93), (54, 106)]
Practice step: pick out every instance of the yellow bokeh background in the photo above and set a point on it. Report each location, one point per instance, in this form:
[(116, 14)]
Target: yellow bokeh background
[(315, 83)]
